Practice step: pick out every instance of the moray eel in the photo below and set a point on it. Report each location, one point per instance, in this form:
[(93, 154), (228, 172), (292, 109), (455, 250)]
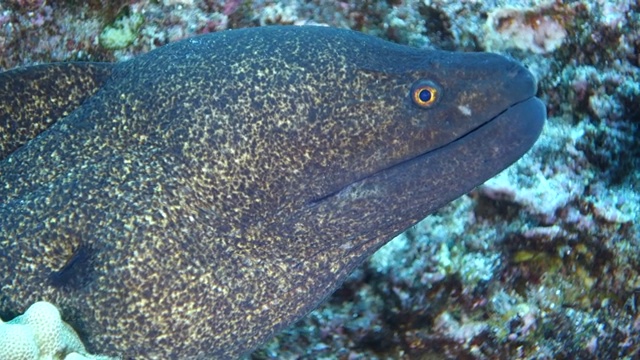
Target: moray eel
[(196, 200)]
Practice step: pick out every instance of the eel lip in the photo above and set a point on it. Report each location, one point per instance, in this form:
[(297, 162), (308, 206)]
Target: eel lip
[(515, 130), (511, 132), (525, 120)]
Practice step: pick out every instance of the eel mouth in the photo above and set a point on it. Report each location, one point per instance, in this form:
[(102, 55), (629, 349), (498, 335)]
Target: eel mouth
[(502, 139), (523, 121), (527, 117)]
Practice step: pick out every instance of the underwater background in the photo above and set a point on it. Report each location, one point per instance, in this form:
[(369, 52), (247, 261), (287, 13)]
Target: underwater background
[(541, 262)]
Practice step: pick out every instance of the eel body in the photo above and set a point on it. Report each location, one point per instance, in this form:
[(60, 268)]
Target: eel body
[(196, 200)]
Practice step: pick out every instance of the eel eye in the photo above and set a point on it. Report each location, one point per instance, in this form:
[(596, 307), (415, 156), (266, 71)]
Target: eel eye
[(424, 94)]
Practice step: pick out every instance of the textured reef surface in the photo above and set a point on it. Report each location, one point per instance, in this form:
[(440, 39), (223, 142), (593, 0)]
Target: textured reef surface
[(540, 262)]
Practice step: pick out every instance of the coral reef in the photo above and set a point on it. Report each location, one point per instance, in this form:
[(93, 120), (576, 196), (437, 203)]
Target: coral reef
[(540, 262), (527, 29)]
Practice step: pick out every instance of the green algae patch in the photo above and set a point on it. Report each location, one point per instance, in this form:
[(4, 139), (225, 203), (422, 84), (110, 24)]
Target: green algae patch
[(122, 32)]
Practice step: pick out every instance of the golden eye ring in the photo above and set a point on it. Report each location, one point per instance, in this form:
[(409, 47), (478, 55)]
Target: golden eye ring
[(425, 94)]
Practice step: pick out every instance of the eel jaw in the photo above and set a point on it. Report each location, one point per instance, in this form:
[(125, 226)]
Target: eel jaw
[(503, 139)]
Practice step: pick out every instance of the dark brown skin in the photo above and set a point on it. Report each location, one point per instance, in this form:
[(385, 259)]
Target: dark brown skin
[(208, 194), (43, 94)]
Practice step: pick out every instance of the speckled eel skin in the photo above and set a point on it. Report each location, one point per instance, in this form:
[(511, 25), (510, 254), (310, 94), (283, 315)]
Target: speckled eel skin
[(194, 201)]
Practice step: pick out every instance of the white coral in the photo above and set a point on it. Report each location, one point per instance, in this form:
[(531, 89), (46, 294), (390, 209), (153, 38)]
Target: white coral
[(40, 334)]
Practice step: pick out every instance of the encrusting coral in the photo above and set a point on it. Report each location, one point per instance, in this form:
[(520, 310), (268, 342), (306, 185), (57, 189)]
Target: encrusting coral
[(40, 333)]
